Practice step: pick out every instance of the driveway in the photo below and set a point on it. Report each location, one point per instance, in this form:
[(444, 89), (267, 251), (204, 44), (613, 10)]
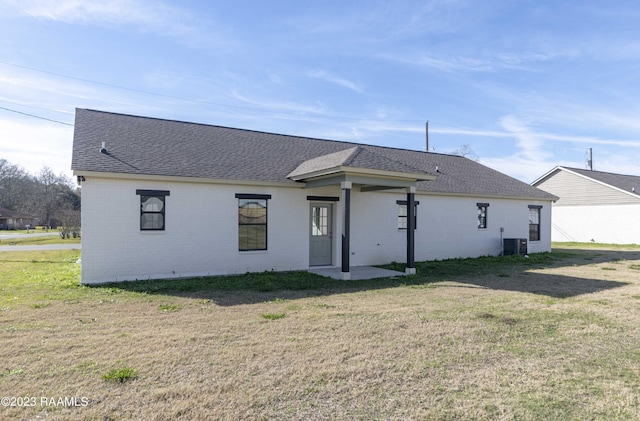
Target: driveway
[(35, 234), (76, 246), (3, 237)]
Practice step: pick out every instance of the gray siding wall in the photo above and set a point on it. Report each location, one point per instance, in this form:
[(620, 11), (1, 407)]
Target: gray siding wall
[(574, 190)]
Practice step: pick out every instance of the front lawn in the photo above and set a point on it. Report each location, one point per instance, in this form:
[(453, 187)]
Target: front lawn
[(555, 336)]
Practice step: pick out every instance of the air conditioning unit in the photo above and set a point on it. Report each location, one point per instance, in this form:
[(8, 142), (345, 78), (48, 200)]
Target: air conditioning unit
[(515, 246)]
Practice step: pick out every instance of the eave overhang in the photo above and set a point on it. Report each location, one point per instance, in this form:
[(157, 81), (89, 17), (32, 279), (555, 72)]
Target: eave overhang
[(183, 179), (367, 179)]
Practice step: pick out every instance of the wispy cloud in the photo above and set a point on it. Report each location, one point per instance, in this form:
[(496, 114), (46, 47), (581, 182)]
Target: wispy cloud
[(448, 64), (41, 88), (145, 15), (619, 117), (56, 95), (278, 106), (326, 76), (523, 169), (471, 132), (520, 59), (528, 141), (79, 11), (534, 154), (499, 60), (515, 128)]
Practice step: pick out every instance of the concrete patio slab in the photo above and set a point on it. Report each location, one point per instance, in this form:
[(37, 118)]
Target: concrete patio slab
[(357, 272)]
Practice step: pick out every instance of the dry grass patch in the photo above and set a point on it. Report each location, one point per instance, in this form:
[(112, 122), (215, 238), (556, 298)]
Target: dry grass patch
[(556, 338)]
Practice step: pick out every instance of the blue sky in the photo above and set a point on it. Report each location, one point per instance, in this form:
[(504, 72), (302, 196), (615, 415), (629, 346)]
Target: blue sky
[(528, 85)]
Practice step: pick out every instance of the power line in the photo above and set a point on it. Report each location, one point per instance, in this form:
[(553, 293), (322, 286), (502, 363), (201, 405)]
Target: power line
[(36, 116), (337, 117), (34, 107)]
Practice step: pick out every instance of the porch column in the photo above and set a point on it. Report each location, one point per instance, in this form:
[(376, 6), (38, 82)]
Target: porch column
[(346, 223), (411, 225)]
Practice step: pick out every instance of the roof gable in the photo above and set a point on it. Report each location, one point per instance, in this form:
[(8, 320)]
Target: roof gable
[(157, 147), (324, 162), (360, 157), (628, 184), (579, 187)]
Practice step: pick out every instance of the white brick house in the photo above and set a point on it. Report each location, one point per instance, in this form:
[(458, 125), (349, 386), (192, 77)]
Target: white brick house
[(165, 199)]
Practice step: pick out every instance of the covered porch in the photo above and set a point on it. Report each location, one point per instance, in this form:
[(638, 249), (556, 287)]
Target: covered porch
[(361, 169)]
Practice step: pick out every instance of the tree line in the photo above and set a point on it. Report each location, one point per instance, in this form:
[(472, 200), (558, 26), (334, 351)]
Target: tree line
[(54, 200)]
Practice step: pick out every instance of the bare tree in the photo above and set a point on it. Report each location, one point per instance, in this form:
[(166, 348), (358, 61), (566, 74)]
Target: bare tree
[(68, 213), (15, 185), (46, 196), (466, 151), (69, 222)]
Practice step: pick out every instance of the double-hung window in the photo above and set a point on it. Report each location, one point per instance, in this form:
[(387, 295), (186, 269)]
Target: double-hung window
[(402, 214), (252, 221), (152, 209), (534, 223), (482, 215)]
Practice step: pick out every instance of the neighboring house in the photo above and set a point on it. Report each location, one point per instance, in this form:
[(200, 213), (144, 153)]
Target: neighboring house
[(10, 220), (165, 199), (593, 206)]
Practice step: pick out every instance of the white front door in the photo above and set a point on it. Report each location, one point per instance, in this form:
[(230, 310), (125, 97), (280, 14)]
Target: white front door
[(320, 235)]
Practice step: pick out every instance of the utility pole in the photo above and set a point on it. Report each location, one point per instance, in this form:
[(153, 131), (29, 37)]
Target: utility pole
[(426, 129), (590, 161)]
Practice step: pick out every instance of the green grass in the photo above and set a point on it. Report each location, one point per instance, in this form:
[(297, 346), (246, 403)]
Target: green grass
[(427, 272), (479, 266), (254, 281), (35, 230), (120, 375), (169, 308), (608, 246), (273, 316), (38, 277)]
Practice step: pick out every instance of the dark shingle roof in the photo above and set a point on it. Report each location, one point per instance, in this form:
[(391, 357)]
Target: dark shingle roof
[(6, 213), (150, 146), (628, 183)]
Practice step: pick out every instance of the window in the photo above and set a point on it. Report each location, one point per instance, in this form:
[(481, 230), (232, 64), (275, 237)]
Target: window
[(319, 221), (252, 221), (402, 214), (152, 209), (534, 223), (482, 215)]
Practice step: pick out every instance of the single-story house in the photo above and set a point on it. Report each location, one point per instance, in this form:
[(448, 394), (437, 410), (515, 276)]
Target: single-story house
[(11, 220), (168, 199), (593, 206)]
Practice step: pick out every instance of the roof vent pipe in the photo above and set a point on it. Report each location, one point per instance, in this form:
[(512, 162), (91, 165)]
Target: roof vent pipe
[(103, 148)]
